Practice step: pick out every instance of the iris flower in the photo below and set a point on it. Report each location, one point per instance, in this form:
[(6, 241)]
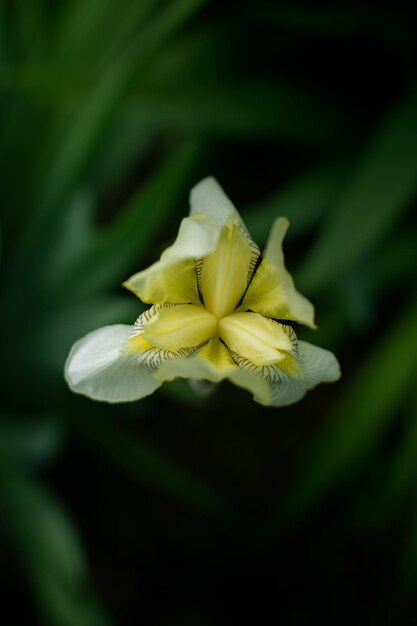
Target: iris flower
[(219, 311)]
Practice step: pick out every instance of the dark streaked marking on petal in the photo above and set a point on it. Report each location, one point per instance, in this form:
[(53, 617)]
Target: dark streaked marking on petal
[(155, 357)]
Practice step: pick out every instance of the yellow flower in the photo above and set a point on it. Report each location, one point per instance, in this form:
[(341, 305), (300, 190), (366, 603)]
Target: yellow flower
[(219, 311)]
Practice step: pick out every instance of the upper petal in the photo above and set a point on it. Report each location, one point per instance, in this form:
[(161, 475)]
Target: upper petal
[(224, 272), (208, 198), (272, 291), (173, 278), (100, 367)]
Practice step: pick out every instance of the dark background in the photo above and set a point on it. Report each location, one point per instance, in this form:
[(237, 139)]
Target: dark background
[(180, 509)]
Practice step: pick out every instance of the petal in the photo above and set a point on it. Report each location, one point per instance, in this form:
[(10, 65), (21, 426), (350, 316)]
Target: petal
[(100, 367), (272, 291), (288, 384), (172, 279), (318, 366), (208, 198), (181, 326), (224, 273), (254, 337), (213, 363)]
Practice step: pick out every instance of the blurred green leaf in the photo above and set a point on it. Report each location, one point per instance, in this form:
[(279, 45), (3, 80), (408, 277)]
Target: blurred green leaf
[(303, 201), (28, 21), (142, 462), (366, 406), (393, 266), (129, 236), (76, 234), (379, 191), (41, 349), (189, 392), (95, 29), (117, 156), (397, 487), (49, 551), (86, 125), (389, 271), (249, 108), (334, 20), (31, 442), (222, 107), (407, 574)]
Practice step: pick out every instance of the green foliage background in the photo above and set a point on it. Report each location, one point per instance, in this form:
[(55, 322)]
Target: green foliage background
[(181, 509)]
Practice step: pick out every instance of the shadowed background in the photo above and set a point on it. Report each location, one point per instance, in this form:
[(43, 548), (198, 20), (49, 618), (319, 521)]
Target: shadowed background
[(178, 509)]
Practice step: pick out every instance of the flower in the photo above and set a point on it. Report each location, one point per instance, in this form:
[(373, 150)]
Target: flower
[(219, 311)]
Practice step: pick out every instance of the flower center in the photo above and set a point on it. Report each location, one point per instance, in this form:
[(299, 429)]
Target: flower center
[(254, 337), (223, 280)]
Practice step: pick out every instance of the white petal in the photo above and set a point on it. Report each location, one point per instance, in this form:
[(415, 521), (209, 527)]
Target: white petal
[(208, 198), (98, 367), (318, 366)]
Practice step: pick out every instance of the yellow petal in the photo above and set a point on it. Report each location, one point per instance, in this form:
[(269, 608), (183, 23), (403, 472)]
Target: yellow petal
[(177, 327), (224, 273), (272, 291), (208, 198), (173, 279), (254, 337), (214, 363), (174, 284)]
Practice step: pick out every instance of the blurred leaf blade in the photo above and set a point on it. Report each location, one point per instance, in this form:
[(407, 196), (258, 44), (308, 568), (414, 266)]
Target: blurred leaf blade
[(334, 21), (250, 109), (49, 549), (87, 124), (129, 236), (303, 201), (381, 188), (141, 461), (83, 25), (407, 566), (33, 442), (401, 478), (359, 419)]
